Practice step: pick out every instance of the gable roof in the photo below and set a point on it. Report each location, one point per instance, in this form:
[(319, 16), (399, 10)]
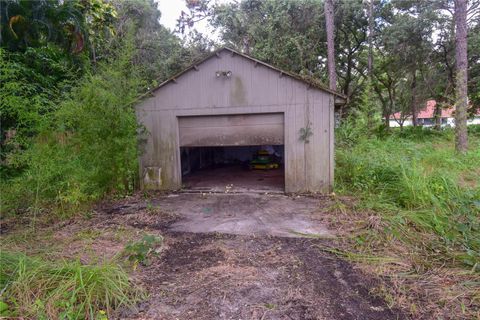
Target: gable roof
[(428, 112), (309, 81)]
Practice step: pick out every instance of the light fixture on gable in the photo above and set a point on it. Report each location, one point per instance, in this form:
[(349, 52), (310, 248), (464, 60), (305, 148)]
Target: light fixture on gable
[(226, 74)]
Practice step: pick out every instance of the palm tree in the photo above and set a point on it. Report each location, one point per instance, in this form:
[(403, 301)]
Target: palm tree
[(28, 23)]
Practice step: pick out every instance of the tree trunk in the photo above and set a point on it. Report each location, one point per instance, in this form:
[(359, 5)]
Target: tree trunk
[(438, 116), (461, 138), (387, 121), (370, 38), (246, 45), (413, 103), (330, 27)]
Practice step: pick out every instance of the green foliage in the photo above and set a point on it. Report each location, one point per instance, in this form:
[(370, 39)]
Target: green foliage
[(410, 65), (89, 147), (35, 23), (32, 83), (75, 26), (362, 123), (367, 116), (159, 53), (69, 133), (4, 310), (474, 130), (53, 175), (99, 122), (420, 188), (35, 288), (141, 251), (473, 65)]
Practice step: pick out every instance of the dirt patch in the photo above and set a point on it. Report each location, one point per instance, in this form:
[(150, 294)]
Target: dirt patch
[(239, 277), (212, 275)]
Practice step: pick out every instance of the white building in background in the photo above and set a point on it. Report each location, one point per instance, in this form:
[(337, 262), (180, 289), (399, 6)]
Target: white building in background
[(426, 117)]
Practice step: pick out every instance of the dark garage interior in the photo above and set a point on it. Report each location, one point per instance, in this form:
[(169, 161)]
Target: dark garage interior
[(235, 168)]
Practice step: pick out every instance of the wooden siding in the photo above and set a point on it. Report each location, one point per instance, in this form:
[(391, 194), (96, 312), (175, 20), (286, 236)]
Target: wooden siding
[(252, 89)]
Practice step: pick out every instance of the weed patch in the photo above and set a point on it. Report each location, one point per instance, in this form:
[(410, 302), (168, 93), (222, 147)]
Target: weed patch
[(140, 252), (420, 195), (43, 289)]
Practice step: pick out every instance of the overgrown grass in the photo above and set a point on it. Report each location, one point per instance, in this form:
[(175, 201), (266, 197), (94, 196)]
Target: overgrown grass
[(421, 187), (424, 197), (41, 289)]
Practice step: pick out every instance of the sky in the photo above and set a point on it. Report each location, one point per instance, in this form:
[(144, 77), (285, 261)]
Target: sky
[(171, 10)]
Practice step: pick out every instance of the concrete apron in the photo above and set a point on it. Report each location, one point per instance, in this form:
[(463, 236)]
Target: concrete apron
[(258, 214), (210, 191)]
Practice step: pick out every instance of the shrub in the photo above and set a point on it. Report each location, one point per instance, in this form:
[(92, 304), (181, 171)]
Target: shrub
[(32, 85), (422, 133), (474, 130), (88, 150), (63, 290)]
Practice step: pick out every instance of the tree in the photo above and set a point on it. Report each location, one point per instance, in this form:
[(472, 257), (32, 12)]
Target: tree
[(461, 138), (330, 28), (350, 38), (159, 53), (389, 82), (474, 67), (35, 23), (371, 22)]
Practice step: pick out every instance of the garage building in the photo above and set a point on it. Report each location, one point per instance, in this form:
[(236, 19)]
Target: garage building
[(205, 126)]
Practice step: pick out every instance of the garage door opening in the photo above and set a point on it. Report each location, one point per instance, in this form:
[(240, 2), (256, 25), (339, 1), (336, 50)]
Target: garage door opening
[(235, 168)]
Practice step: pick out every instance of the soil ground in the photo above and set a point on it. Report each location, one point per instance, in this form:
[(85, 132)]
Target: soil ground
[(254, 273), (241, 277)]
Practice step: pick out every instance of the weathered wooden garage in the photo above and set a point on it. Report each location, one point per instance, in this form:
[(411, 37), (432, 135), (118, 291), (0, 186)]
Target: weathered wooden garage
[(228, 106)]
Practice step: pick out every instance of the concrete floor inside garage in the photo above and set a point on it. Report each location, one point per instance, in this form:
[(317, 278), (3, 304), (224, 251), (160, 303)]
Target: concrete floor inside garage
[(228, 169)]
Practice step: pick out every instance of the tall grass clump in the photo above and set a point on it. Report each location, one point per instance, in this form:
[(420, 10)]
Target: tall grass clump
[(88, 148), (35, 288), (427, 195)]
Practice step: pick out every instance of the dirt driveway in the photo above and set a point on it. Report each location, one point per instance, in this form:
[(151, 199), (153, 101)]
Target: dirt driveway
[(224, 256), (231, 256), (244, 214)]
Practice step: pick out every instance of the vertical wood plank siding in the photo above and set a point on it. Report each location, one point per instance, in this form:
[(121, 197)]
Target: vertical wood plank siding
[(252, 89)]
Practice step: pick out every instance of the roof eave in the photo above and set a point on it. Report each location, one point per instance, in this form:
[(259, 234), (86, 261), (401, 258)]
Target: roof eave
[(340, 100)]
